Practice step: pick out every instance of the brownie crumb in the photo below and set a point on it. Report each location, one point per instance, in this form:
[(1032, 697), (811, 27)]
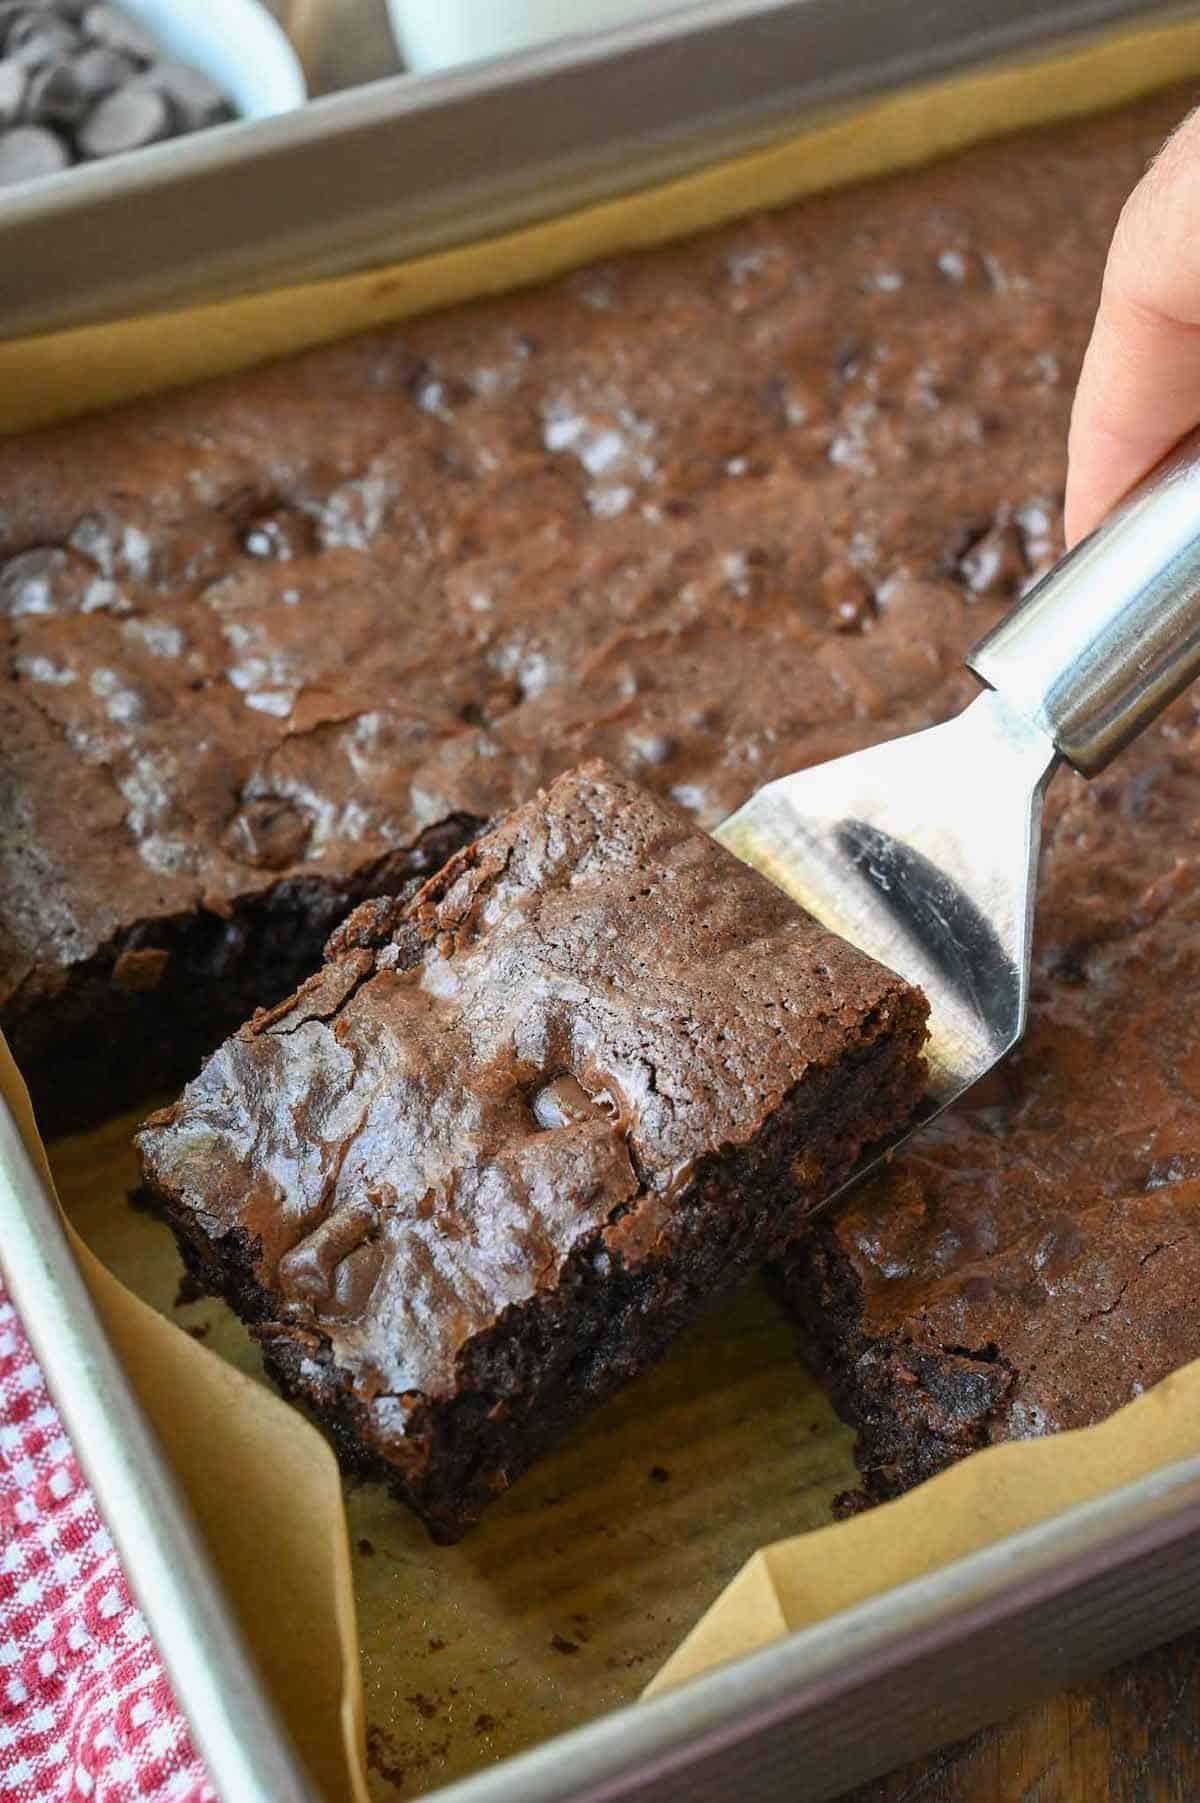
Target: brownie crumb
[(366, 1547), (436, 1643), (561, 1644), (658, 1474), (394, 1764), (190, 1288), (138, 971), (615, 1663), (484, 1724)]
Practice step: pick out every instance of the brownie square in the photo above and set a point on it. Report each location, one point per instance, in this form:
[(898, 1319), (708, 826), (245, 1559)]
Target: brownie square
[(484, 1165)]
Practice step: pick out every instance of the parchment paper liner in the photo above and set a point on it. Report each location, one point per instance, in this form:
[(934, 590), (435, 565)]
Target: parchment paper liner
[(262, 1481)]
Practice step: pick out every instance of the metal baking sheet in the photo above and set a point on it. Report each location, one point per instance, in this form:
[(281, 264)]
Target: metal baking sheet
[(348, 180), (414, 164)]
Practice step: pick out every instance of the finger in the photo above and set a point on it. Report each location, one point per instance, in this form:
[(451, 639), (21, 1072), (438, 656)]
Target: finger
[(1139, 390)]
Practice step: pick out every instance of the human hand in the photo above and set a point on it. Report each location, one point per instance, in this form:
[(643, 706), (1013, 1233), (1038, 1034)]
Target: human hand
[(1139, 390)]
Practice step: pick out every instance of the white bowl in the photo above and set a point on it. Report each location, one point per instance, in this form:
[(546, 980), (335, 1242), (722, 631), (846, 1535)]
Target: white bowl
[(437, 34), (236, 43)]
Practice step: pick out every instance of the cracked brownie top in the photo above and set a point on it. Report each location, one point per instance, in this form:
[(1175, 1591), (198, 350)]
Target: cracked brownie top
[(710, 512), (582, 1008)]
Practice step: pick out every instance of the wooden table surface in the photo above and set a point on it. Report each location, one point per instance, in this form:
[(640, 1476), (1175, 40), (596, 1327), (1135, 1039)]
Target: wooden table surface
[(1131, 1736)]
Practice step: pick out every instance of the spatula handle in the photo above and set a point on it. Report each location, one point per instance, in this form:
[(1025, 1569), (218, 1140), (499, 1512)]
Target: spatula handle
[(1112, 633)]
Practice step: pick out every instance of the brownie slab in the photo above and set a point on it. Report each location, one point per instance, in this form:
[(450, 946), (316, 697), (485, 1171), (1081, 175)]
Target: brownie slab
[(711, 512), (482, 1167)]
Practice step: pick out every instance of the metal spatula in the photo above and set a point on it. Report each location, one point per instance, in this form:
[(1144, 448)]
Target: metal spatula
[(924, 851)]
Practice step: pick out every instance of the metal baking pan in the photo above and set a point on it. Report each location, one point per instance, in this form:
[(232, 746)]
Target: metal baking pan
[(414, 164), (393, 169)]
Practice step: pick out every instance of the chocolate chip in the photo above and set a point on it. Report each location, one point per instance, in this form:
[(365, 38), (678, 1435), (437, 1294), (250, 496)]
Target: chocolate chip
[(280, 533), (70, 10), (137, 971), (195, 100), (29, 151), (37, 38), (563, 1102), (55, 96), (848, 596), (13, 82), (657, 748), (37, 581), (268, 832), (10, 12), (88, 71), (113, 26), (993, 564), (127, 120), (99, 70)]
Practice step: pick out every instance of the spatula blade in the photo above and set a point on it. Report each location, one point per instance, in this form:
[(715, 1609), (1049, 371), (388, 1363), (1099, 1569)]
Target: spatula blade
[(922, 852)]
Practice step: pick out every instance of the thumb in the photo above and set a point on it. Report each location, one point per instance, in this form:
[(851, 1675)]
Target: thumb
[(1139, 390)]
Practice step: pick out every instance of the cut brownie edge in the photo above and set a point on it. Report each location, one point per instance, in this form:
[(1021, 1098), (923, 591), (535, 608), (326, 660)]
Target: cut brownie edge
[(163, 994), (525, 1382), (516, 1133), (915, 1409)]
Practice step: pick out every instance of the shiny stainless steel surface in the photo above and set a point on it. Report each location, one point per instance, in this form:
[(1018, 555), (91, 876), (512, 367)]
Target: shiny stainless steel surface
[(247, 1753), (923, 852), (1112, 634), (410, 165)]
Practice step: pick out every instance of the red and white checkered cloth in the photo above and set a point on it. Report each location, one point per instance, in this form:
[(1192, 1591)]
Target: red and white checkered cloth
[(86, 1712)]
